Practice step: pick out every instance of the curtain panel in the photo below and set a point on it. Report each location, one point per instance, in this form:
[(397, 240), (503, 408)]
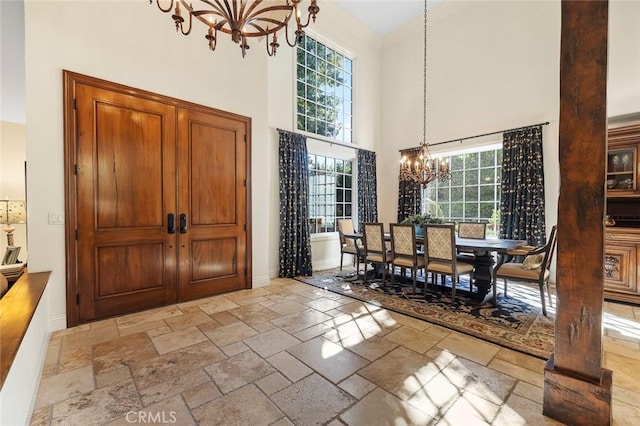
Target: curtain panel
[(409, 193), (295, 240), (522, 214), (367, 188)]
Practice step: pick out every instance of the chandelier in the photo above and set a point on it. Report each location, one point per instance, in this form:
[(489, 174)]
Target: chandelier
[(242, 19), (417, 165)]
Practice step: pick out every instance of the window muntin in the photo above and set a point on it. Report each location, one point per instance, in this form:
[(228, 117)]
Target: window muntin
[(324, 82), (330, 192), (473, 193)]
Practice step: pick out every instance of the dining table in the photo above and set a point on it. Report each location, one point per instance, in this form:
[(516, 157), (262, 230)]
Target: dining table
[(483, 262)]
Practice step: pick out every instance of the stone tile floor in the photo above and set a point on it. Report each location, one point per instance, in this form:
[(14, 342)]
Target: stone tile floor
[(290, 353)]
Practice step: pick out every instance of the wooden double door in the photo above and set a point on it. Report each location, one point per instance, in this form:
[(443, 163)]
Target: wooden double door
[(157, 200)]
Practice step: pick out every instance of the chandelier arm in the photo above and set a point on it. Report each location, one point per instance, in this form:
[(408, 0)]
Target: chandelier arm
[(179, 20), (168, 9), (295, 40)]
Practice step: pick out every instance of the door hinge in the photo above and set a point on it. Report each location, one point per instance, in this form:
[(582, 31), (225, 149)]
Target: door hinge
[(76, 169), (77, 298), (75, 103), (77, 235)]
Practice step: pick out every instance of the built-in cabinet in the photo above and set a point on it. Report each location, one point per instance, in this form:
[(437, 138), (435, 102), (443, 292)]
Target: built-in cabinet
[(622, 241), (621, 261)]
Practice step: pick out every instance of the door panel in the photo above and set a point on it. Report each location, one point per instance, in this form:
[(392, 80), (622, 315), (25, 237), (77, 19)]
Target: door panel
[(212, 253), (125, 189)]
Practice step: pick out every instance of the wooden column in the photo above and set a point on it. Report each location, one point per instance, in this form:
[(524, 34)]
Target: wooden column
[(577, 390)]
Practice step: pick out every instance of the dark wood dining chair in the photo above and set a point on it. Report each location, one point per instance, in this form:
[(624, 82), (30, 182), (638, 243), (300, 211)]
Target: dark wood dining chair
[(404, 252), (441, 256), (352, 246), (375, 250), (534, 268)]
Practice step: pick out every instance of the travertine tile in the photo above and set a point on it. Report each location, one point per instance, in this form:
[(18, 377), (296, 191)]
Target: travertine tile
[(113, 376), (151, 315), (520, 359), (300, 320), (235, 348), (198, 395), (187, 320), (370, 348), (65, 385), (237, 371), (313, 331), (382, 408), (471, 409), (323, 304), (121, 352), (254, 314), (170, 411), (98, 406), (413, 339), (327, 358), (153, 371), (521, 373), (402, 372), (271, 342), (628, 376), (172, 387), (41, 416), (263, 327), (273, 383), (288, 365), (231, 333), (146, 326), (313, 400), (469, 347), (357, 386), (625, 414), (479, 380), (529, 391), (53, 357), (522, 411), (622, 347), (178, 339), (74, 358), (218, 304), (244, 406)]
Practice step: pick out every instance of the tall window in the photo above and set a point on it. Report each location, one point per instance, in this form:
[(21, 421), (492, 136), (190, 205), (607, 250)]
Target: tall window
[(330, 192), (324, 104), (473, 193)]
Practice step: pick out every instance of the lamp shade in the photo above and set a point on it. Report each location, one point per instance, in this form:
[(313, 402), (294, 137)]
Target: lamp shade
[(13, 211)]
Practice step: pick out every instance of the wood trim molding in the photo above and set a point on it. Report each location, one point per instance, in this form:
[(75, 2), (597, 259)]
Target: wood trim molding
[(18, 307)]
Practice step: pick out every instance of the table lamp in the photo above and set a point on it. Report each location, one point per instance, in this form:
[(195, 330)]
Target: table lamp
[(12, 211)]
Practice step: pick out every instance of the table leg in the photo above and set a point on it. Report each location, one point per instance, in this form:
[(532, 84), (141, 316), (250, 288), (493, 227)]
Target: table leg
[(483, 274)]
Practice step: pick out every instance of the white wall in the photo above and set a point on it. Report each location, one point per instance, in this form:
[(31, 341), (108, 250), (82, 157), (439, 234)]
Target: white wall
[(492, 65)]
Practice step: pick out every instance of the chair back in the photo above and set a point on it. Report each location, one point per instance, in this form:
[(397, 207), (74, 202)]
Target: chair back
[(550, 248), (440, 242), (474, 230), (403, 240), (373, 238), (345, 226)]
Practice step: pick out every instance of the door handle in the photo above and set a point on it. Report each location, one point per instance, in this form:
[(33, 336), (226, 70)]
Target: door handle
[(183, 223), (171, 223)]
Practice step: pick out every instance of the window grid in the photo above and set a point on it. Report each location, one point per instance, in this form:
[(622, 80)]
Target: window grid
[(324, 83), (330, 192), (472, 194)]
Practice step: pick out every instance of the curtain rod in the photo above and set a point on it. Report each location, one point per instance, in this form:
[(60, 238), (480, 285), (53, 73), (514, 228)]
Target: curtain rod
[(343, 144), (487, 134)]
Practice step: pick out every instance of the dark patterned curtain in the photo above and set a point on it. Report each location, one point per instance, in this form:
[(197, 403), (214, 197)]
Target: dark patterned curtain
[(367, 188), (522, 191), (409, 195), (295, 241)]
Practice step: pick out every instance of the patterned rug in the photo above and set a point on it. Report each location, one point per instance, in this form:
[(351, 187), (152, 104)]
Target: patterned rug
[(516, 322)]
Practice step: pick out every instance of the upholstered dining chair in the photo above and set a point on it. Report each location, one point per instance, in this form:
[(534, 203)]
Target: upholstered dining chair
[(375, 250), (404, 252), (474, 230), (352, 246), (440, 255), (534, 268)]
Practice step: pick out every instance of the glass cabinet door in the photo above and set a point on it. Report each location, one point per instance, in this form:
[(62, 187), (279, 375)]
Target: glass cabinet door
[(621, 169)]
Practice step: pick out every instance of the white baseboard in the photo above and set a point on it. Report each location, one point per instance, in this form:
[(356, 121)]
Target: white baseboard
[(260, 282), (58, 322)]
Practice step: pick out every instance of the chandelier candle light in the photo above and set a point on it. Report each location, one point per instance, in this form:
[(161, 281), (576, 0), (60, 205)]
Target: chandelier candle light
[(420, 167), (242, 19)]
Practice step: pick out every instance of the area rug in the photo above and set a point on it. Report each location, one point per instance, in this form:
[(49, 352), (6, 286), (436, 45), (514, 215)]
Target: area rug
[(515, 322)]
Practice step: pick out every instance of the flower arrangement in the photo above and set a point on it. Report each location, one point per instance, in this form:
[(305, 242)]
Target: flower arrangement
[(419, 219)]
